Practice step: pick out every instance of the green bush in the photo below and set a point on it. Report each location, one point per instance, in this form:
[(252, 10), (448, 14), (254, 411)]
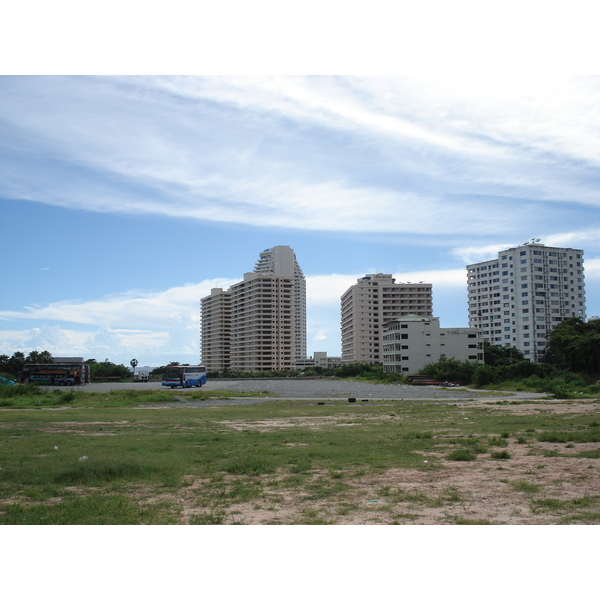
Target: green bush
[(484, 375), (450, 369)]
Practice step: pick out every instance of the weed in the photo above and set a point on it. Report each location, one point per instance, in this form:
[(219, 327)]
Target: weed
[(384, 490), (311, 517), (463, 521), (588, 454), (502, 455), (526, 486), (93, 509), (462, 455), (417, 435), (562, 437), (498, 441), (346, 508), (452, 495), (211, 518), (550, 453), (250, 466), (301, 466)]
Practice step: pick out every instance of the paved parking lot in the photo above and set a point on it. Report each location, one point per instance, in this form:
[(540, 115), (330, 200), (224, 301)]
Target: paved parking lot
[(313, 388)]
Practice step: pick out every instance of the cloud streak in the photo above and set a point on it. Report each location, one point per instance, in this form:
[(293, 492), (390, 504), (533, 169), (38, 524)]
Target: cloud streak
[(258, 150)]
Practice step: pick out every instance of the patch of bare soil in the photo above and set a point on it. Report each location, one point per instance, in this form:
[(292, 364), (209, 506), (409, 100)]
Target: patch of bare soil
[(87, 428), (472, 492), (584, 405), (531, 488), (269, 424)]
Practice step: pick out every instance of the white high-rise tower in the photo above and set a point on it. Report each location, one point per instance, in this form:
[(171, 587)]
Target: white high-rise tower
[(517, 298)]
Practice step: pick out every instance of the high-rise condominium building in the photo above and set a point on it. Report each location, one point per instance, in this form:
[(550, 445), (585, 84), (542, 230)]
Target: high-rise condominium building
[(216, 330), (280, 261), (266, 313), (373, 301), (517, 298)]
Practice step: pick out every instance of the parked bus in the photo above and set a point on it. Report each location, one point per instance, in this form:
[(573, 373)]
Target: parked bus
[(194, 376), (55, 374)]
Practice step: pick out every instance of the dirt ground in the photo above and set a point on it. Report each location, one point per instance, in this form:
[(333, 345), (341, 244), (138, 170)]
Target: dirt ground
[(481, 491), (535, 487)]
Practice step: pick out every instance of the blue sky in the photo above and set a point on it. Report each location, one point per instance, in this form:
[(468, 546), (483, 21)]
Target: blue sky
[(126, 199)]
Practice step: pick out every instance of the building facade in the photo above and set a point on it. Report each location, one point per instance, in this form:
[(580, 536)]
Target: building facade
[(411, 342), (374, 300), (516, 299), (266, 314), (320, 359), (280, 261), (216, 330)]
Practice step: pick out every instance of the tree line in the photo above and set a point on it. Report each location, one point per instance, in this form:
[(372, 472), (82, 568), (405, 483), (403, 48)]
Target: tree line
[(10, 367), (572, 354)]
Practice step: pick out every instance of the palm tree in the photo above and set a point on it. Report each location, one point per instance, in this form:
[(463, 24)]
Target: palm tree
[(37, 357)]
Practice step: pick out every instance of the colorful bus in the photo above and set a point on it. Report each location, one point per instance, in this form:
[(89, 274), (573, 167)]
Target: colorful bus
[(55, 374), (185, 376)]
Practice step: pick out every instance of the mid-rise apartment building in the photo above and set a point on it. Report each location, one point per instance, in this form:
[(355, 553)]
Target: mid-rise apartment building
[(266, 313), (374, 300), (411, 342), (519, 297)]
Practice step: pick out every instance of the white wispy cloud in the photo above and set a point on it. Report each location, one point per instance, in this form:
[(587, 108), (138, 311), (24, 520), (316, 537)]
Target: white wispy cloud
[(473, 254), (587, 239), (246, 150), (175, 307)]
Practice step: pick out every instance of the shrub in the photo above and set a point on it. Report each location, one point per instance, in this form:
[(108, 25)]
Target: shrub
[(484, 375), (450, 369)]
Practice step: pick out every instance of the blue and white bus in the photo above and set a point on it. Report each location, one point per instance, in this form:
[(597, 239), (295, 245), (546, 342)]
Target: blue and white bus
[(185, 376)]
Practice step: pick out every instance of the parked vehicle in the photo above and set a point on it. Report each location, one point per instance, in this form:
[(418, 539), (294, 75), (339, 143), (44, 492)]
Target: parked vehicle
[(75, 373), (141, 375), (185, 376)]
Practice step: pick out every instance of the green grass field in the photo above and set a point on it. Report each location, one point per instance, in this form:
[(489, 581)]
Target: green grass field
[(124, 458)]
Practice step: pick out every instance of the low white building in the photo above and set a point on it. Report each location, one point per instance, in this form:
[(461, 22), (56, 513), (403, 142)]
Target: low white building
[(413, 341), (320, 359)]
